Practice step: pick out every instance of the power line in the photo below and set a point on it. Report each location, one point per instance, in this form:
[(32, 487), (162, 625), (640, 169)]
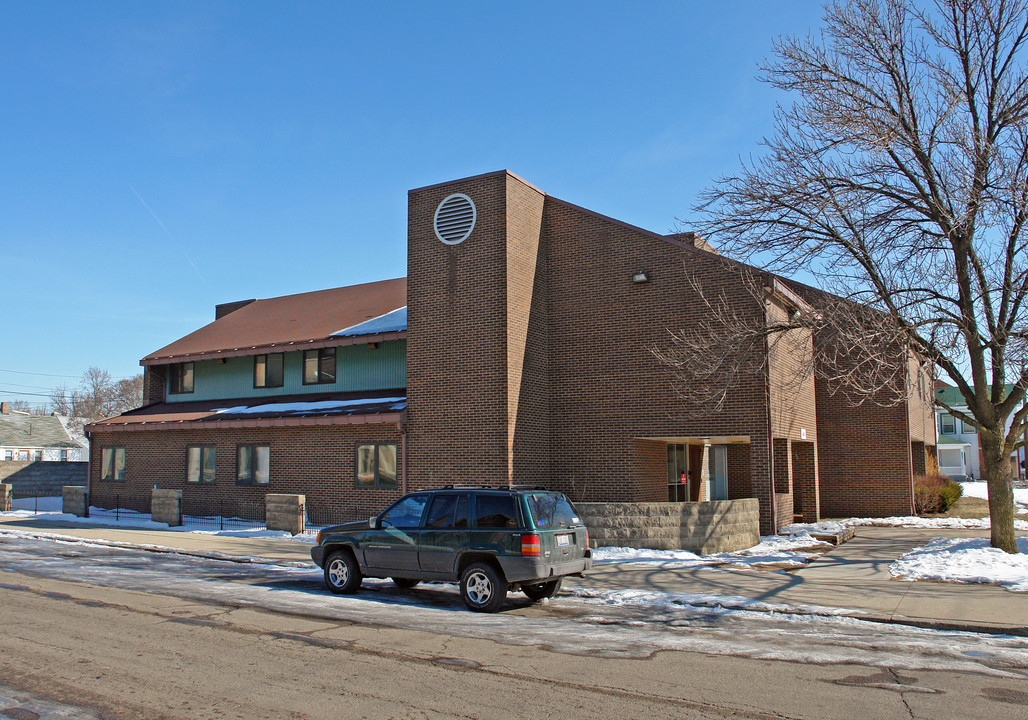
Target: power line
[(20, 393), (46, 374)]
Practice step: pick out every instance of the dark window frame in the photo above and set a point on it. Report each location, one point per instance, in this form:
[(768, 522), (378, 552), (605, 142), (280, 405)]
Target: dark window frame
[(176, 378), (200, 467), (377, 484), (115, 450), (282, 370), (323, 377), (252, 479)]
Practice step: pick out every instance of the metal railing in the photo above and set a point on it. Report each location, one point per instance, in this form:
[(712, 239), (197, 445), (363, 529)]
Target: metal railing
[(224, 514)]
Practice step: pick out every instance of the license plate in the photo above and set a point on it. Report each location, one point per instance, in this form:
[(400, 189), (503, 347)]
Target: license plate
[(563, 540)]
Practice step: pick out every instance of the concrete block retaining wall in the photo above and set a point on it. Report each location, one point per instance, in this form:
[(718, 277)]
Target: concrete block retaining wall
[(76, 500), (32, 478), (699, 527), (285, 512), (166, 506)]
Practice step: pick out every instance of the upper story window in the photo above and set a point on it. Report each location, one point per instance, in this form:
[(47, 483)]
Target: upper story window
[(949, 425), (968, 428), (319, 366), (180, 377), (64, 456), (268, 370)]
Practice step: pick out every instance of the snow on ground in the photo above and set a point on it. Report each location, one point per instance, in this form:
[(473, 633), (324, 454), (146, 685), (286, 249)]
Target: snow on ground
[(965, 560), (49, 509), (772, 550), (981, 490)]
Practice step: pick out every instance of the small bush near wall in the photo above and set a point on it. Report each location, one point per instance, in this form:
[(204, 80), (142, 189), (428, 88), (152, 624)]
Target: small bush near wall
[(935, 494)]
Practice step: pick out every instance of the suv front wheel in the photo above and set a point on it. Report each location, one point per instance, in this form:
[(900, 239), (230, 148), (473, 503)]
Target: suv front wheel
[(482, 588), (342, 574)]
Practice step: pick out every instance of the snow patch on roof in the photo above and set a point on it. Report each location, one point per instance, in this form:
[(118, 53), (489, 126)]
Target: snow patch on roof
[(308, 408), (395, 321)]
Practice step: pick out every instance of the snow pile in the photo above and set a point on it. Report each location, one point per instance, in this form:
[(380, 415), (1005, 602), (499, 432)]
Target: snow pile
[(981, 490), (965, 560), (772, 550), (654, 600), (931, 523)]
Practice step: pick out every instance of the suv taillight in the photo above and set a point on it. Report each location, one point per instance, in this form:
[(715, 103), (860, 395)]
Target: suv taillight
[(530, 546)]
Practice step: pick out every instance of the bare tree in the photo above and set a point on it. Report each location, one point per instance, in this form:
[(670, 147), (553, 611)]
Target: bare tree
[(899, 178), (98, 396)]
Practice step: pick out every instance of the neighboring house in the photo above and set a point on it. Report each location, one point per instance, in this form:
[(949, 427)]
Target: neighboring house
[(36, 438), (960, 455), (517, 351)]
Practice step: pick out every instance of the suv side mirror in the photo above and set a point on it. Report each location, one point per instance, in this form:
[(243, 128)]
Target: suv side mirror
[(373, 522)]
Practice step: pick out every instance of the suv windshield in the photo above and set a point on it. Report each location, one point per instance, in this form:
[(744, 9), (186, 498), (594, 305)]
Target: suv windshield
[(552, 511)]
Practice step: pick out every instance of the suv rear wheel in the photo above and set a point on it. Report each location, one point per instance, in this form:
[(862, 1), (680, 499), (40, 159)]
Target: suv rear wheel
[(539, 591), (342, 574), (482, 588)]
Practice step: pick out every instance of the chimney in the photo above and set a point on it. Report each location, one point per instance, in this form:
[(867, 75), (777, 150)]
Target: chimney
[(224, 309), (5, 408), (690, 238)]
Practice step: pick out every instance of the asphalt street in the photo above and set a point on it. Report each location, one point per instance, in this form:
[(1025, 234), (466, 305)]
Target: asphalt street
[(127, 633)]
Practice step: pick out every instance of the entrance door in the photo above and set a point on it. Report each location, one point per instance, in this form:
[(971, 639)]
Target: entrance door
[(677, 473), (719, 472)]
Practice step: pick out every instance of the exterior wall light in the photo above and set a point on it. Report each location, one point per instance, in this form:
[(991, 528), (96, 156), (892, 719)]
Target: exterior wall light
[(641, 276)]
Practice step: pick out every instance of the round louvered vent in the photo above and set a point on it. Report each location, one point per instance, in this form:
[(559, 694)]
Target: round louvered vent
[(455, 219)]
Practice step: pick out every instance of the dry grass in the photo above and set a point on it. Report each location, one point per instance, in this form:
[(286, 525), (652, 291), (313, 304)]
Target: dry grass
[(968, 507)]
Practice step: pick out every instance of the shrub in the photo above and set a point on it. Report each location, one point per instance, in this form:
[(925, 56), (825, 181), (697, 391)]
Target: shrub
[(935, 494)]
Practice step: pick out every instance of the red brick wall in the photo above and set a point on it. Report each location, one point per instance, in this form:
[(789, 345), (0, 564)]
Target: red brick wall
[(863, 458), (315, 461), (457, 340)]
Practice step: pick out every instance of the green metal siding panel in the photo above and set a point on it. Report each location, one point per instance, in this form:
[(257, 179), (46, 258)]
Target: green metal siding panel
[(358, 367)]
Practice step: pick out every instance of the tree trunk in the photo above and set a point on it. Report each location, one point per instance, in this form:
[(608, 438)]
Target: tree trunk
[(999, 480)]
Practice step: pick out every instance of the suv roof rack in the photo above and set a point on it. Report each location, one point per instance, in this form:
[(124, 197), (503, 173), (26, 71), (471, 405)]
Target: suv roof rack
[(493, 487)]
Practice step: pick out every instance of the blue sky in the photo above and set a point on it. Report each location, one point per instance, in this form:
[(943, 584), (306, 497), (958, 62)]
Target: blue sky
[(159, 158)]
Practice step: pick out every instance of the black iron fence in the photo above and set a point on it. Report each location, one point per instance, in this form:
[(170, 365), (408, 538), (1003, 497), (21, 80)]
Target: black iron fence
[(119, 507), (319, 516), (224, 514)]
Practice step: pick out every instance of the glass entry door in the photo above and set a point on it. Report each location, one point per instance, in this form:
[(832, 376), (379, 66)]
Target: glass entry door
[(677, 472), (719, 472)]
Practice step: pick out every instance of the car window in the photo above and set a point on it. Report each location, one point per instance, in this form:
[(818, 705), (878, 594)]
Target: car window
[(495, 511), (552, 510), (440, 515), (404, 514)]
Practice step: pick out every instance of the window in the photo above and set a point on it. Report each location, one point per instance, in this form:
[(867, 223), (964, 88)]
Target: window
[(112, 463), (23, 455), (376, 465), (677, 473), (495, 511), (968, 428), (267, 370), (201, 463), (448, 512), (550, 511), (37, 455), (64, 456), (181, 378), (319, 366), (949, 426), (404, 514), (252, 465), (8, 454)]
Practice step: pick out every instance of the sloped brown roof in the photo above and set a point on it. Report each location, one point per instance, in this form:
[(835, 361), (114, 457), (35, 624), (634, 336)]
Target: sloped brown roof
[(305, 318), (381, 406)]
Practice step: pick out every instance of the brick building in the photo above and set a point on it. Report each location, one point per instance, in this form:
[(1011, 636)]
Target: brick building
[(517, 350)]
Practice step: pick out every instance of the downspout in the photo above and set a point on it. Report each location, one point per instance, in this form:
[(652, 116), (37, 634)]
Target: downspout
[(89, 471), (403, 457)]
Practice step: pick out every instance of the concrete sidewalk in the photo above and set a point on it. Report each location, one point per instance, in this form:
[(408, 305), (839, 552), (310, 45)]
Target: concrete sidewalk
[(852, 579)]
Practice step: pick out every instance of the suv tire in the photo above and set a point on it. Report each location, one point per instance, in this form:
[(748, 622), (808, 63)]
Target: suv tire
[(540, 591), (482, 588), (342, 574)]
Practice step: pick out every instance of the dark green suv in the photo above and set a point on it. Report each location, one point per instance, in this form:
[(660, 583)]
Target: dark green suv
[(491, 540)]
